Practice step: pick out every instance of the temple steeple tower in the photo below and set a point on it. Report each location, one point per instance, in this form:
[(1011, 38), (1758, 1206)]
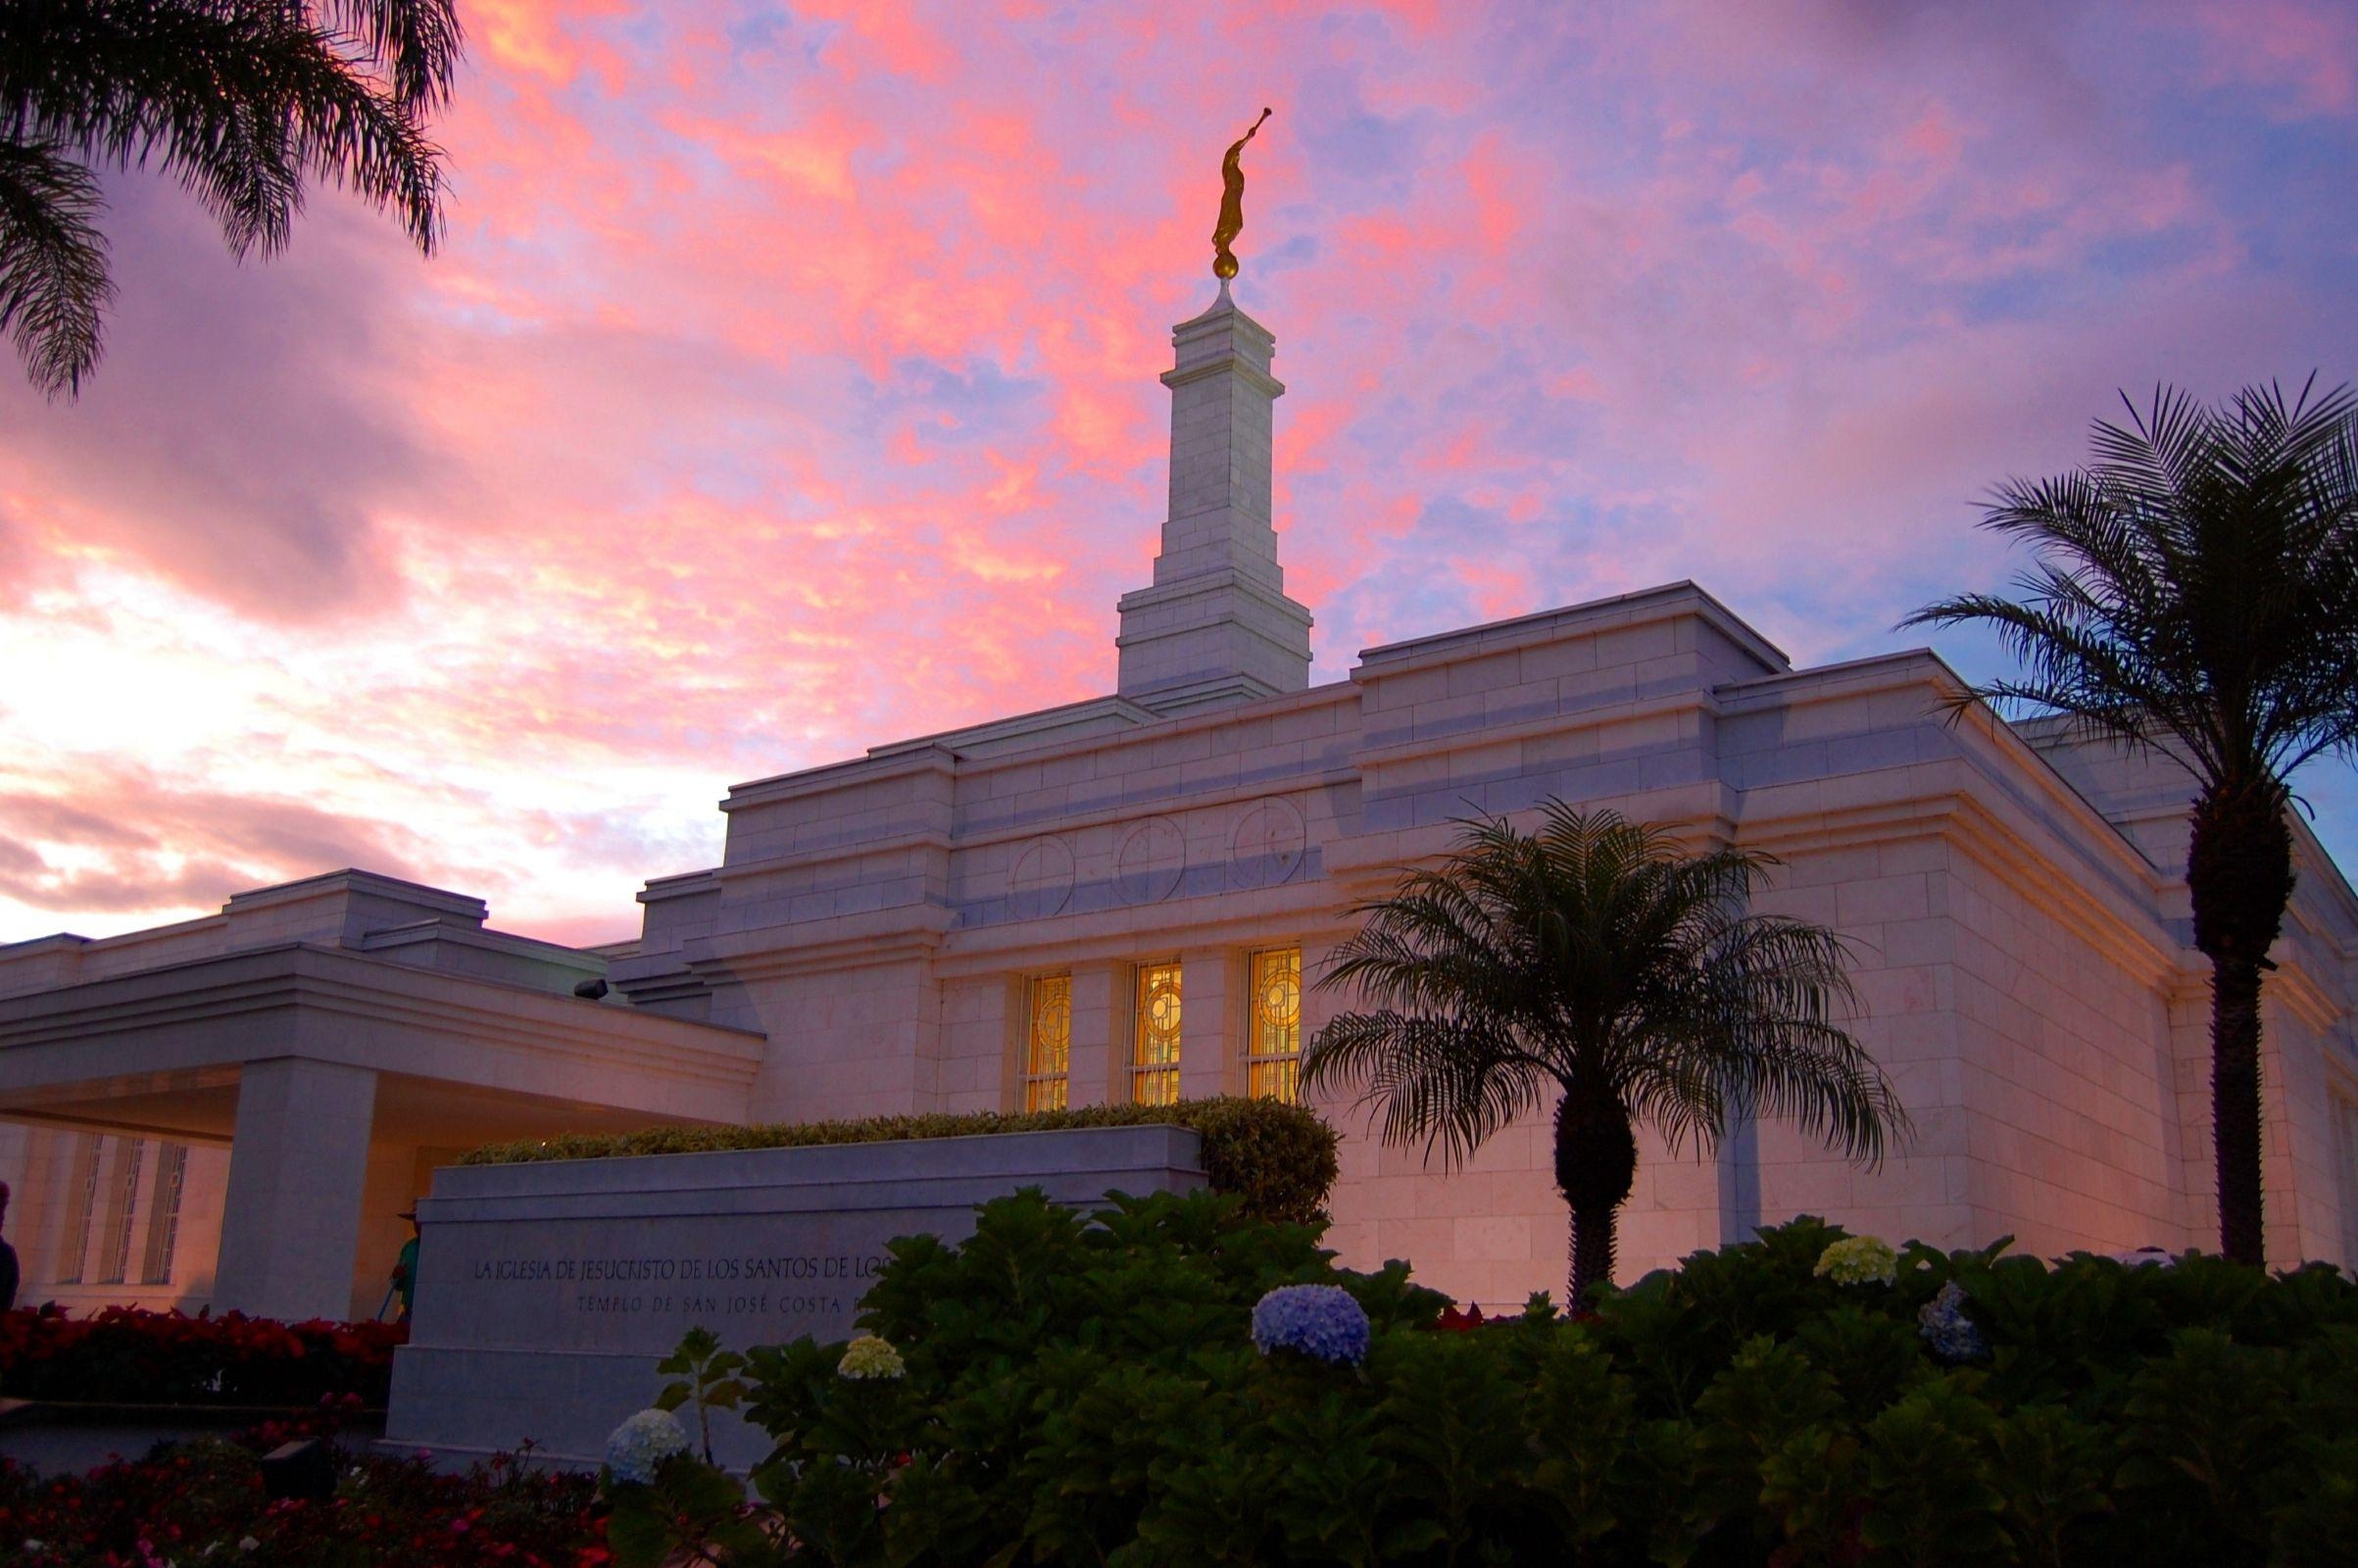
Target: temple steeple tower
[(1216, 626)]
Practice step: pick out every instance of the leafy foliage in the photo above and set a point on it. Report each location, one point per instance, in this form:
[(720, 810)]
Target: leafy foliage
[(1278, 1160), (706, 1376), (245, 102), (1083, 1392)]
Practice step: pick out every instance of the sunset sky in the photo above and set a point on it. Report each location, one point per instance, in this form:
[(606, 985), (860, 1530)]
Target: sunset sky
[(787, 386)]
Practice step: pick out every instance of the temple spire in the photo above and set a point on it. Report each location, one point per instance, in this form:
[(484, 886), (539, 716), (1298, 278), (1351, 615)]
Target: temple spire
[(1216, 626)]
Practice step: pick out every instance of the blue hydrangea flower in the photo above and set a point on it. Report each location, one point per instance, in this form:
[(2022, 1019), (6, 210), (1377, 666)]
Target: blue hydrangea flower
[(1948, 1329), (637, 1448), (1319, 1321)]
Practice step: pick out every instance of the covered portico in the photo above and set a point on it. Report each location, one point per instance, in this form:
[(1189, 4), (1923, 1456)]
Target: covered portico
[(337, 1080)]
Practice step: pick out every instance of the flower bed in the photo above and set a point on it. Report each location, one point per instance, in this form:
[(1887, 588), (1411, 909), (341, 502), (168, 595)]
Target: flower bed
[(126, 1355), (204, 1502)]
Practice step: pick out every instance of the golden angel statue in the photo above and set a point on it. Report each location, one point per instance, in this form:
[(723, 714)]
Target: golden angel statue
[(1232, 206)]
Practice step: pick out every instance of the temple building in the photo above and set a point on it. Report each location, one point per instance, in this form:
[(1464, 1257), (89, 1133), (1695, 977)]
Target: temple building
[(1130, 898)]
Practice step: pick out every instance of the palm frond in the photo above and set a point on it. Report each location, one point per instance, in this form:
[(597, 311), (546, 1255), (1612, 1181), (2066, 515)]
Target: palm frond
[(415, 42), (2195, 585), (245, 102), (53, 265), (1447, 1083), (1596, 955), (1750, 1027)]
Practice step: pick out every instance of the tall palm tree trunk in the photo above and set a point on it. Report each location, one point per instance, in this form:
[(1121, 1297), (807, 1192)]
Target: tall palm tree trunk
[(2239, 877), (1595, 1166)]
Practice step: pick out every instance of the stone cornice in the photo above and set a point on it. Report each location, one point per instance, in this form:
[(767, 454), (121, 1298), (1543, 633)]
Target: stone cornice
[(1235, 365), (306, 978), (1605, 715), (1955, 814), (1296, 911), (1677, 601), (1921, 668), (859, 770), (745, 873), (1174, 799), (2291, 984), (864, 940)]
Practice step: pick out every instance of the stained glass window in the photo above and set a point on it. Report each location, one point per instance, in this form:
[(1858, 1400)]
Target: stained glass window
[(83, 1203), (1048, 1042), (114, 1249), (1273, 1050), (1154, 1063), (164, 1218)]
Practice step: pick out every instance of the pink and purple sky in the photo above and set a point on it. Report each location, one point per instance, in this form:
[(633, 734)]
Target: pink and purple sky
[(787, 386)]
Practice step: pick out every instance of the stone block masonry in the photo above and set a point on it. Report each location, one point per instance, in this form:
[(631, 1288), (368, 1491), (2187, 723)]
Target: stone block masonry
[(547, 1291)]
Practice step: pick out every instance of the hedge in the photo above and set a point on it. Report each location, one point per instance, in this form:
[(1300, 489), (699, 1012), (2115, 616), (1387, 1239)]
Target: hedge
[(1278, 1159), (1065, 1394)]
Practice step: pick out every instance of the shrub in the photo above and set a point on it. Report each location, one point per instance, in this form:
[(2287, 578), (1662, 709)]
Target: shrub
[(1089, 1393), (128, 1355), (1278, 1159), (204, 1502)]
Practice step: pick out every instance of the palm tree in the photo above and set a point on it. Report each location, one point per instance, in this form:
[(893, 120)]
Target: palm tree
[(1595, 959), (2197, 591), (243, 101)]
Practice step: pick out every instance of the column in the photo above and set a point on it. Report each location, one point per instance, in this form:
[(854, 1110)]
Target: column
[(1101, 1035), (298, 1166), (1739, 1160), (1211, 1022), (1319, 1005)]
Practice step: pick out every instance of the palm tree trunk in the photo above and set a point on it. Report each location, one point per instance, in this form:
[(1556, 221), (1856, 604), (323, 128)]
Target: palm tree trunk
[(2239, 877), (1595, 1165), (1592, 1243), (2236, 1107)]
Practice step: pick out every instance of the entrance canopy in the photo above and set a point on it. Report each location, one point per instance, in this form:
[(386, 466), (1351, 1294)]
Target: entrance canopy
[(339, 1076)]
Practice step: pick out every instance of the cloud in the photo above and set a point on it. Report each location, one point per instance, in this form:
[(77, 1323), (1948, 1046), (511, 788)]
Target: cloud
[(128, 840), (786, 385)]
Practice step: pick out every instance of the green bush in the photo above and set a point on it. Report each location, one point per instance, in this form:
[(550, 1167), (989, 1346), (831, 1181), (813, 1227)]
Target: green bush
[(1278, 1159), (1087, 1393)]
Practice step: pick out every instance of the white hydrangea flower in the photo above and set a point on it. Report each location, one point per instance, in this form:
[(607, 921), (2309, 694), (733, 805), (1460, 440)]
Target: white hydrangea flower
[(640, 1446), (868, 1356), (1859, 1260)]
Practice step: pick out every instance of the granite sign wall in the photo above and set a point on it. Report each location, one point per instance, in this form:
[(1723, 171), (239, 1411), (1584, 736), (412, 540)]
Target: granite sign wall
[(546, 1292)]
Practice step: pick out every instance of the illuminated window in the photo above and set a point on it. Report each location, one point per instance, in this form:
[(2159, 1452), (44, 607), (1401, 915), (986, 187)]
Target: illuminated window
[(1154, 1063), (1048, 1042), (82, 1201), (164, 1218), (1273, 1050), (115, 1250)]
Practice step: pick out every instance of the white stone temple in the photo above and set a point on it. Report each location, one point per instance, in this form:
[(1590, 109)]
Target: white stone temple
[(1121, 899)]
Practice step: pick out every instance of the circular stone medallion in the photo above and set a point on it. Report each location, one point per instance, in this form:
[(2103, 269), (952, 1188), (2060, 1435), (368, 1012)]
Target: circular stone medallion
[(1150, 862), (1042, 879), (1268, 845)]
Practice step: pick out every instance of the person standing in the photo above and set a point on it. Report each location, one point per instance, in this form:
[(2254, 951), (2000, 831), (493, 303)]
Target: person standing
[(8, 1260), (405, 1270)]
